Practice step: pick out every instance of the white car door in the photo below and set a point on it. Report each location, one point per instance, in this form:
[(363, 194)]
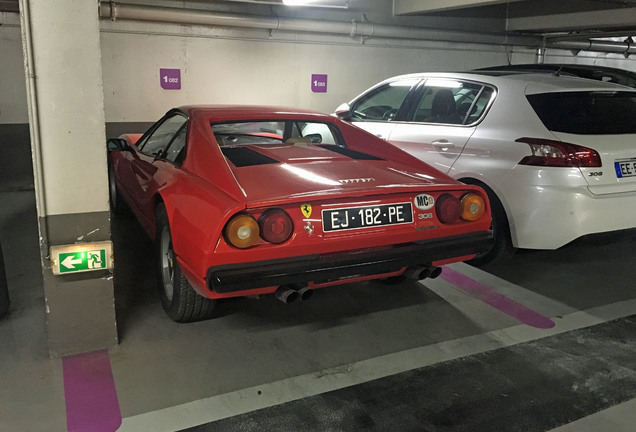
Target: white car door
[(380, 129), (437, 145), (376, 110), (441, 121)]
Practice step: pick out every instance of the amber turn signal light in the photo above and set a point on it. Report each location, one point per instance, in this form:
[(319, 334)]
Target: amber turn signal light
[(241, 231), (473, 207)]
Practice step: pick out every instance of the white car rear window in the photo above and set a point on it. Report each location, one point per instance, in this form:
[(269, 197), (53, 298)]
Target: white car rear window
[(587, 113)]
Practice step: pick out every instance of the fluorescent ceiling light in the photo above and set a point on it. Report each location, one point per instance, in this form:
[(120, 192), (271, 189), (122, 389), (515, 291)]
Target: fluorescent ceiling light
[(318, 3), (299, 2)]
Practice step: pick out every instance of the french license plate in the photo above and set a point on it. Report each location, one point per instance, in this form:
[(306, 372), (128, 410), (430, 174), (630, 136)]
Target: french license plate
[(366, 217), (625, 168)]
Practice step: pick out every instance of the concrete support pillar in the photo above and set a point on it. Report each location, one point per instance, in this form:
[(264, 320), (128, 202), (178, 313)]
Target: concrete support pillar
[(66, 116)]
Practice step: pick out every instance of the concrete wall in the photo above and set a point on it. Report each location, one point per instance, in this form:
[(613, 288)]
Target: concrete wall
[(16, 171), (221, 65), (251, 67), (13, 105), (218, 65), (66, 108)]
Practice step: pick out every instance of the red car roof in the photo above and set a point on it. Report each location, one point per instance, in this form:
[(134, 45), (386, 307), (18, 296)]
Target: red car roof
[(239, 112)]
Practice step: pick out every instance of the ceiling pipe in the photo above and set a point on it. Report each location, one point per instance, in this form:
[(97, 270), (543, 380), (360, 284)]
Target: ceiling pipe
[(354, 29), (626, 48)]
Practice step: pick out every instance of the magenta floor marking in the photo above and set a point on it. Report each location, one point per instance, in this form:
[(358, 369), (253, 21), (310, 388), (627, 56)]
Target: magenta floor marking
[(496, 300), (89, 390)]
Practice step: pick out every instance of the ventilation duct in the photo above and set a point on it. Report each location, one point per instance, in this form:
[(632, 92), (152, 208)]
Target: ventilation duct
[(626, 48)]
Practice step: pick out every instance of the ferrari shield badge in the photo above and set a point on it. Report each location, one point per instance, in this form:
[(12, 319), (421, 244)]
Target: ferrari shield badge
[(306, 209)]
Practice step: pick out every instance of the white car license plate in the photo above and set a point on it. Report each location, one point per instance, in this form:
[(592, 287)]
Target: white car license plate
[(366, 217), (625, 168)]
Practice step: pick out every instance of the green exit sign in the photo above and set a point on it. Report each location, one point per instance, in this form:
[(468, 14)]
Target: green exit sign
[(82, 257)]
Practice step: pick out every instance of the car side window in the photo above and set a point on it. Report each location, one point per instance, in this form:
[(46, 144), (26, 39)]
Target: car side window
[(176, 149), (317, 133), (450, 101), (383, 103), (479, 105), (157, 142)]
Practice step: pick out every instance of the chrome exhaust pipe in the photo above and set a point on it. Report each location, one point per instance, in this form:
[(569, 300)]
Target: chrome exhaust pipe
[(435, 271), (286, 294), (305, 293), (419, 273)]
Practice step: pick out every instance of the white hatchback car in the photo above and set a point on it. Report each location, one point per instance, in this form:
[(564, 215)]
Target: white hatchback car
[(556, 154)]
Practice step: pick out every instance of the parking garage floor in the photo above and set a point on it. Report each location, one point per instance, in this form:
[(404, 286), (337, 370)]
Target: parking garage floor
[(546, 341)]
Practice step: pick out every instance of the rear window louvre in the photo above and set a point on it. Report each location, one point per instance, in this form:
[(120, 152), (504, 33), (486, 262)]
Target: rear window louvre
[(242, 157), (353, 154)]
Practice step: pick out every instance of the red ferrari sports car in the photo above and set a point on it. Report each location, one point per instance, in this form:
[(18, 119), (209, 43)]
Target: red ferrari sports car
[(257, 200)]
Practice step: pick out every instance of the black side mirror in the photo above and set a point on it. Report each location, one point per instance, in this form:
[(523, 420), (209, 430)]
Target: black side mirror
[(117, 144), (344, 112)]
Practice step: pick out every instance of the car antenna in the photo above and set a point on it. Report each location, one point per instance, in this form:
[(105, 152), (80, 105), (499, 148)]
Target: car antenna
[(558, 71)]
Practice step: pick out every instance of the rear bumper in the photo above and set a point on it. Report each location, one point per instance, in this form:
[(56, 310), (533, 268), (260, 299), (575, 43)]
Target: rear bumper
[(324, 268), (548, 208), (560, 215)]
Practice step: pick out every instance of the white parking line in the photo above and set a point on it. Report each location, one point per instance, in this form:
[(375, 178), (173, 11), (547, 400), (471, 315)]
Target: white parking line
[(287, 390), (619, 418), (541, 304)]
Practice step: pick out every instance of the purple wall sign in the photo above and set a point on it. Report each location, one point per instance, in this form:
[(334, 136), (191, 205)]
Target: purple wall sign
[(319, 83), (170, 79)]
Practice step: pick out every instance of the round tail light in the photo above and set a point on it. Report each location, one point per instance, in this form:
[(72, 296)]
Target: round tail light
[(473, 207), (448, 209), (276, 226), (241, 231)]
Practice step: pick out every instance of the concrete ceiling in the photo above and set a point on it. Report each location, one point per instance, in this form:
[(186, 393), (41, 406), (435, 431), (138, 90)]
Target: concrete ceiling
[(562, 19), (552, 20), (542, 17)]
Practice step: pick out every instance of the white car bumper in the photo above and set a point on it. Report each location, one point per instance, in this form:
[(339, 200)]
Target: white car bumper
[(554, 207)]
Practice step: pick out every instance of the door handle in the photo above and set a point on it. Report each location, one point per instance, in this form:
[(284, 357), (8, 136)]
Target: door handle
[(443, 145)]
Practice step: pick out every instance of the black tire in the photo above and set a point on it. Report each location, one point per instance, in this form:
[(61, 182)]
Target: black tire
[(117, 204), (4, 289), (178, 298), (502, 248)]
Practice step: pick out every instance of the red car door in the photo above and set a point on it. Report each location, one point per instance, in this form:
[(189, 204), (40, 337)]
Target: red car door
[(159, 150)]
